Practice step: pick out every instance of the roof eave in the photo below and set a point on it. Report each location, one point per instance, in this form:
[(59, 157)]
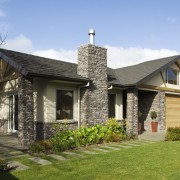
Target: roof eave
[(59, 78), (14, 64)]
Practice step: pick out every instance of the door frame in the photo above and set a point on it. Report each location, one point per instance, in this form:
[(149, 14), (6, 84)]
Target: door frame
[(13, 113)]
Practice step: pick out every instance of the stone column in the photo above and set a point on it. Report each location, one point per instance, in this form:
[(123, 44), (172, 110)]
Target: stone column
[(26, 111), (92, 64), (162, 111), (132, 111)]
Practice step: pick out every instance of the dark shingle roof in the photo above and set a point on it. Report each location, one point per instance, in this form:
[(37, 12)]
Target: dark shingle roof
[(39, 66), (137, 74), (127, 76)]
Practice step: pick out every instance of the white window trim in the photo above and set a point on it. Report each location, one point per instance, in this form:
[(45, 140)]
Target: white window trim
[(178, 75), (74, 99)]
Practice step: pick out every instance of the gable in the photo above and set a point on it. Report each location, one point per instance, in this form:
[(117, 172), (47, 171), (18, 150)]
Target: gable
[(7, 72), (140, 73), (159, 80)]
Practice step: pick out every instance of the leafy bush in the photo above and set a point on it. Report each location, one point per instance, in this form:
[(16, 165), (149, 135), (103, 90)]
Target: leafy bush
[(4, 166), (41, 146), (173, 134), (67, 139)]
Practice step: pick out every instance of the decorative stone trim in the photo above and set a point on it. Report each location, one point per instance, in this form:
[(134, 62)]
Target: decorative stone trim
[(26, 111), (162, 111), (132, 111), (46, 130)]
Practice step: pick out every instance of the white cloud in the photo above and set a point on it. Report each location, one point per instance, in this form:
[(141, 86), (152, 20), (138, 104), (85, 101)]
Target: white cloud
[(117, 56), (62, 54), (120, 57), (2, 13), (19, 43)]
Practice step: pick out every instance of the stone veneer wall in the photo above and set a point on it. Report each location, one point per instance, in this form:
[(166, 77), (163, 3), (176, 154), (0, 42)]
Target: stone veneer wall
[(132, 111), (26, 111), (46, 130), (152, 101), (92, 64)]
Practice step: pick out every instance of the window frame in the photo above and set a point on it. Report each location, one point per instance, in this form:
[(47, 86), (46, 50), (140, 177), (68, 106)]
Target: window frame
[(177, 77), (73, 91)]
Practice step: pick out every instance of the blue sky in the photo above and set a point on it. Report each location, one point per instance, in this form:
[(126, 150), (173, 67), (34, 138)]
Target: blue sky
[(132, 30)]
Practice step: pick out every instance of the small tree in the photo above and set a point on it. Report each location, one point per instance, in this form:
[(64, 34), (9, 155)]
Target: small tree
[(2, 39)]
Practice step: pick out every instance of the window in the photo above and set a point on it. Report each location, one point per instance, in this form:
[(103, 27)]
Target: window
[(172, 76), (64, 106), (112, 103)]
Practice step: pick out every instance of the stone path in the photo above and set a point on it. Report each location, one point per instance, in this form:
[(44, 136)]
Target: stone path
[(17, 165), (40, 161), (67, 155)]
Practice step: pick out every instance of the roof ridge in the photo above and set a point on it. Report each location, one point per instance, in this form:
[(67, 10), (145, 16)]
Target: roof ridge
[(147, 62)]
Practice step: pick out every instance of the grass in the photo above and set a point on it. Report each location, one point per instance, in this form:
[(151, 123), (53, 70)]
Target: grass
[(160, 160)]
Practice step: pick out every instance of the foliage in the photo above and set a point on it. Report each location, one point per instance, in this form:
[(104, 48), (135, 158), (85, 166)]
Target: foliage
[(153, 114), (68, 139), (41, 146), (4, 166), (173, 134)]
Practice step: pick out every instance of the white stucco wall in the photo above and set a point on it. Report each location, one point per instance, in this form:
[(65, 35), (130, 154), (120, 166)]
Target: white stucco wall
[(45, 99), (119, 103), (6, 89)]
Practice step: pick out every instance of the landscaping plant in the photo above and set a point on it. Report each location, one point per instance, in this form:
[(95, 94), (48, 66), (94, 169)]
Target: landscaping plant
[(173, 134)]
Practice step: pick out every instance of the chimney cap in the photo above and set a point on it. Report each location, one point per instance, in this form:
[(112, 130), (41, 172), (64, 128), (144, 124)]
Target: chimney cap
[(91, 31)]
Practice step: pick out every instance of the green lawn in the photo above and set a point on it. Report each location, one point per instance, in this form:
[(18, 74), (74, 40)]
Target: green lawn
[(160, 160)]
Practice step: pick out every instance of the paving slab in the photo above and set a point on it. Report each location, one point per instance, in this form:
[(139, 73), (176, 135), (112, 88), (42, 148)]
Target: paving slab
[(89, 152), (40, 161), (73, 154), (131, 144), (99, 149), (157, 136), (111, 147), (16, 156), (123, 146), (58, 157), (18, 166)]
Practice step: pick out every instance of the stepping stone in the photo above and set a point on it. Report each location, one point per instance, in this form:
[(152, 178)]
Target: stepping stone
[(40, 161), (110, 147), (18, 166), (123, 146), (17, 156), (89, 152), (131, 144), (73, 154), (15, 152), (99, 149), (58, 157)]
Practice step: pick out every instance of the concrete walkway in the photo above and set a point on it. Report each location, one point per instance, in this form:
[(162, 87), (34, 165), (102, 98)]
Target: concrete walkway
[(157, 136), (9, 143)]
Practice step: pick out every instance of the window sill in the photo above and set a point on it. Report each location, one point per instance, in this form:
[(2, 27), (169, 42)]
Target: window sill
[(69, 121)]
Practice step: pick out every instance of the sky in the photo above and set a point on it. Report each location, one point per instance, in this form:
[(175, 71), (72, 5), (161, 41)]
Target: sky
[(133, 31)]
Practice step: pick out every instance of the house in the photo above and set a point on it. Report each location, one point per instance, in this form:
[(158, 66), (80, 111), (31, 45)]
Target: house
[(36, 92)]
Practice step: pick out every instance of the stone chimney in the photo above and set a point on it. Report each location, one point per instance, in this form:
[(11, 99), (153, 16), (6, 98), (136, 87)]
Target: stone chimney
[(92, 64)]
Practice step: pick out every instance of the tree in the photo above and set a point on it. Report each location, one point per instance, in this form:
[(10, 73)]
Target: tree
[(2, 39)]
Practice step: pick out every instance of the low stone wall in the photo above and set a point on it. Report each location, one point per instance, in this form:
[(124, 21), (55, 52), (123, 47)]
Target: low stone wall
[(46, 130)]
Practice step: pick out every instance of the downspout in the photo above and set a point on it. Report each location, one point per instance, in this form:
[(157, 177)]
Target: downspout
[(87, 85)]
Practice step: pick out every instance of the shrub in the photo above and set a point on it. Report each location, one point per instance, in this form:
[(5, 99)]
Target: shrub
[(67, 139), (41, 146), (4, 166), (173, 134)]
